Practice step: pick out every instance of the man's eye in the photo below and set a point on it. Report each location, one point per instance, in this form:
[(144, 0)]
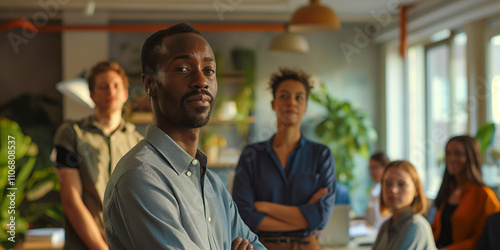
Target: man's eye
[(182, 69), (210, 71)]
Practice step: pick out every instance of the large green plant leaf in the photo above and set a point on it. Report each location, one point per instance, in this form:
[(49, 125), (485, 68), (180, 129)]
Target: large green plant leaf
[(345, 130), (485, 136), (10, 131), (27, 175)]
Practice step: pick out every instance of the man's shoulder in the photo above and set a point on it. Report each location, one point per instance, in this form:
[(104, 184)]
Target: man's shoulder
[(214, 178), (72, 124), (131, 129), (66, 132), (142, 154)]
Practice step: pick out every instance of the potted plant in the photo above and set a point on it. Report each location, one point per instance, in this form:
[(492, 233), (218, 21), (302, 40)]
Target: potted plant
[(24, 179), (345, 130)]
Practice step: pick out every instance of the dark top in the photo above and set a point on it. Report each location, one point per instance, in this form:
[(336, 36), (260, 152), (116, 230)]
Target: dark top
[(261, 177), (445, 236), (490, 239)]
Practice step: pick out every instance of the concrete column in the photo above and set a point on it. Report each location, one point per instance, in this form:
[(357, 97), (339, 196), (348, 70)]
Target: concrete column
[(476, 74)]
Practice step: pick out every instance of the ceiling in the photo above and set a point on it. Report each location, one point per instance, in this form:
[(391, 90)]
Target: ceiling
[(424, 17), (193, 10)]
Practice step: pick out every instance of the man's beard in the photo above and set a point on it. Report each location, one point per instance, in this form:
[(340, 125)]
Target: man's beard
[(198, 120)]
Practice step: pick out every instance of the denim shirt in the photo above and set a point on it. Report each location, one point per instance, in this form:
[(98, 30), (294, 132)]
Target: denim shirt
[(261, 177), (159, 197)]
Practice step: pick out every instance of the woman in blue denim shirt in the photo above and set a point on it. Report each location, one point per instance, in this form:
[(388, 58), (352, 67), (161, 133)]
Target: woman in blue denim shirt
[(284, 187)]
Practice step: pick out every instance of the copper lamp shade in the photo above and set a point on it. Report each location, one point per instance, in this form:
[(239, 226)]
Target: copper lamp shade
[(314, 18)]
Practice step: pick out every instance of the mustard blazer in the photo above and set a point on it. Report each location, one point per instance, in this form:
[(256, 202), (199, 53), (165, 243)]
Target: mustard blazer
[(476, 205)]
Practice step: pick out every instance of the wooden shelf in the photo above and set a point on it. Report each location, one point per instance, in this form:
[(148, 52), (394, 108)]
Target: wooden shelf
[(140, 117), (215, 120), (147, 117)]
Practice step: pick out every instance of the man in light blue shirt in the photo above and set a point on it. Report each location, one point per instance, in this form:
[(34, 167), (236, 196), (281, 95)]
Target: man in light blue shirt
[(161, 194)]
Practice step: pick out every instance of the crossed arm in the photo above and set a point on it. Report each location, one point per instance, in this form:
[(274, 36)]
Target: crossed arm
[(281, 218)]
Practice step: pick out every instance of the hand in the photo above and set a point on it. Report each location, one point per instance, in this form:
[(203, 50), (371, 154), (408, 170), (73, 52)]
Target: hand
[(260, 206), (241, 244), (317, 196)]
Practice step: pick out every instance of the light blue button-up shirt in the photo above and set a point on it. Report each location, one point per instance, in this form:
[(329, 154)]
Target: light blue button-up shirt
[(159, 197)]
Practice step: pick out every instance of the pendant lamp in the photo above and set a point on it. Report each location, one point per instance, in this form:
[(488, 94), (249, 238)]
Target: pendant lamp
[(289, 43), (314, 18), (76, 89)]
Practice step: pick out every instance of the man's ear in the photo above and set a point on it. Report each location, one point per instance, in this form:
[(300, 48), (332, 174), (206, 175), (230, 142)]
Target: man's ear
[(150, 84), (126, 94), (272, 105)]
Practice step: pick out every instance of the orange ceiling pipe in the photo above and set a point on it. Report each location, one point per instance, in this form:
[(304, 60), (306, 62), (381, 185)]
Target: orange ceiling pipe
[(403, 44), (146, 27)]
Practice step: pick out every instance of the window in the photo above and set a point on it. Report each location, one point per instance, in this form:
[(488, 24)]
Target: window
[(436, 102), (490, 169), (494, 75), (437, 83)]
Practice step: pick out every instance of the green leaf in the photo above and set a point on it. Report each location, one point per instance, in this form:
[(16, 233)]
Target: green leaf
[(23, 175), (30, 172), (40, 189), (485, 136), (345, 130)]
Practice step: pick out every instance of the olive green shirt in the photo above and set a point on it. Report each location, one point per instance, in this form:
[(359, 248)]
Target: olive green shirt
[(83, 146)]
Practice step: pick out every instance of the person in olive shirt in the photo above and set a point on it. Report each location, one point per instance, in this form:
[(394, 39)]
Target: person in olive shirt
[(87, 152)]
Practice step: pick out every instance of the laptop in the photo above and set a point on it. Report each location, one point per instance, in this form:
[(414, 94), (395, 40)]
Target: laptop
[(336, 231)]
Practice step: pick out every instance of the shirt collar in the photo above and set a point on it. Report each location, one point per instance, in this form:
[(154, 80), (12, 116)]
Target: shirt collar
[(171, 151), (302, 141), (92, 122)]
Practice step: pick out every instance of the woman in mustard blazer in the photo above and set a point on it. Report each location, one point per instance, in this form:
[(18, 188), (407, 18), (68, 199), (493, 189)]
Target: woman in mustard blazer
[(463, 201)]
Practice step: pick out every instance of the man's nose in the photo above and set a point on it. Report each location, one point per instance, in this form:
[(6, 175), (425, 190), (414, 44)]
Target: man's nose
[(199, 80)]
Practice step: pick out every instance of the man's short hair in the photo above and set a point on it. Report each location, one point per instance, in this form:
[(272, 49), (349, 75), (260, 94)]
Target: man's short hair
[(152, 48), (105, 66), (290, 74)]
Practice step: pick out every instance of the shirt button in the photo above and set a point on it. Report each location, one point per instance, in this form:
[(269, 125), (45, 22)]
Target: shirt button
[(194, 162), (188, 173), (209, 218)]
